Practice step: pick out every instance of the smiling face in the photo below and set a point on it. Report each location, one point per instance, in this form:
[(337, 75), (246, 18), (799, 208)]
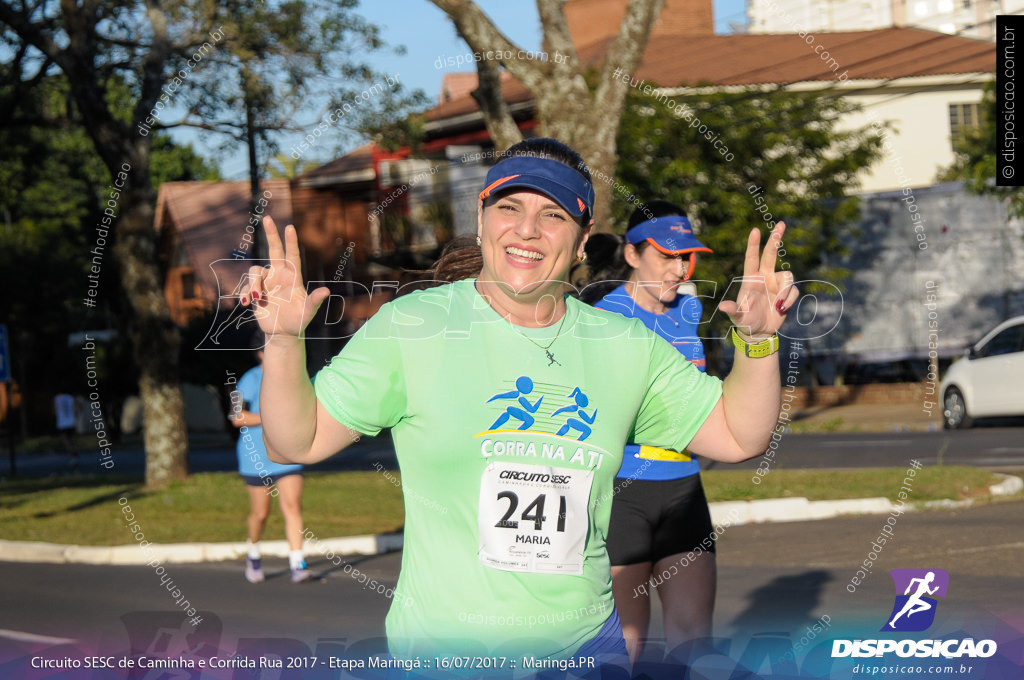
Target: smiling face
[(529, 243), (660, 275)]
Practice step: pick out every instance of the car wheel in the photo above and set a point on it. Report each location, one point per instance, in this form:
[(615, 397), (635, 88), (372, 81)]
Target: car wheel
[(954, 411)]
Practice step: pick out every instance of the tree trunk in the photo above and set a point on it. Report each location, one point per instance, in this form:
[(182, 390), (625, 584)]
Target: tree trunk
[(155, 339), (593, 136), (254, 169), (567, 109), (500, 124)]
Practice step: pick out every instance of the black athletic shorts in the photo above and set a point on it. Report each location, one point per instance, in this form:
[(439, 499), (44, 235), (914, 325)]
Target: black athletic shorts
[(256, 480), (654, 519)]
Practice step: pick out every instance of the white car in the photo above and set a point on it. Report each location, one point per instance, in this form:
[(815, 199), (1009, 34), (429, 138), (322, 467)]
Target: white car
[(989, 380)]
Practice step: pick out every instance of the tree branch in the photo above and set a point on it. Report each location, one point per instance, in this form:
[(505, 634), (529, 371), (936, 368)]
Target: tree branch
[(30, 32), (482, 35), (626, 50), (557, 37), (500, 124)]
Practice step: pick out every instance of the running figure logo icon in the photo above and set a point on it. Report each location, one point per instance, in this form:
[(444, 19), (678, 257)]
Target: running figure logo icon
[(914, 609)]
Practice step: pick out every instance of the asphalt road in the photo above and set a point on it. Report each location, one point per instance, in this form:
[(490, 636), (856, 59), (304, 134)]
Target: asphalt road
[(999, 448), (774, 580)]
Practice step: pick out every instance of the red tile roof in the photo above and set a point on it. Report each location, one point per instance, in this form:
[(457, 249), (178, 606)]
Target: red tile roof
[(357, 159), (781, 58)]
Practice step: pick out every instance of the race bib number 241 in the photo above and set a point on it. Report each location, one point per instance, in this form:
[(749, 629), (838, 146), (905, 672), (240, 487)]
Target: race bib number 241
[(534, 518)]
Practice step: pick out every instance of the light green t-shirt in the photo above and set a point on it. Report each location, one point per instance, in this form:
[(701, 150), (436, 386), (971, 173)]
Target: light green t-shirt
[(508, 460)]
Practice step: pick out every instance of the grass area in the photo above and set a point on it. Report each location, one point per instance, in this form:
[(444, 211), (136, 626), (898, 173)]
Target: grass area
[(213, 507), (206, 507), (930, 483), (835, 424)]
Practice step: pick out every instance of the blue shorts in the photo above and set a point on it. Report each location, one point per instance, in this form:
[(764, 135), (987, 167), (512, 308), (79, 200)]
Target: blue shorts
[(256, 480), (607, 649)]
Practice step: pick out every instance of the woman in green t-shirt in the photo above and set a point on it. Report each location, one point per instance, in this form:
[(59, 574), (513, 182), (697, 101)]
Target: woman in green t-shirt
[(509, 403)]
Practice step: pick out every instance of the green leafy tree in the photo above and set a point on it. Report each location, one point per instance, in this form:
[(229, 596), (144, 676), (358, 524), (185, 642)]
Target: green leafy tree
[(156, 49), (53, 187), (784, 148), (281, 68), (100, 46)]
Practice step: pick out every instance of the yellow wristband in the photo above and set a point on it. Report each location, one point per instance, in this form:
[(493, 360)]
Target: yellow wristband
[(755, 350)]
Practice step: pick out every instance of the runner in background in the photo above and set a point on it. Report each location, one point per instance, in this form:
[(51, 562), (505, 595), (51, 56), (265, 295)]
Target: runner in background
[(64, 408), (659, 511), (264, 478)]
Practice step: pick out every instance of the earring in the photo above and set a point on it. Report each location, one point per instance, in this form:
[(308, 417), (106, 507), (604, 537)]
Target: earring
[(582, 258), (478, 241)]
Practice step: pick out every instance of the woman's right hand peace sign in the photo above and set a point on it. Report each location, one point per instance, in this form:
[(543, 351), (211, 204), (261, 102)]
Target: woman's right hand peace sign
[(277, 293)]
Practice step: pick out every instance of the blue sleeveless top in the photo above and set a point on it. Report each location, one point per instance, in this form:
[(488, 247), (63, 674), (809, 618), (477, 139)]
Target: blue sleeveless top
[(678, 325)]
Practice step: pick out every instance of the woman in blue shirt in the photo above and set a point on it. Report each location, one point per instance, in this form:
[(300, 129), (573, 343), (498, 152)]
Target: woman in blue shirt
[(659, 511), (265, 478)]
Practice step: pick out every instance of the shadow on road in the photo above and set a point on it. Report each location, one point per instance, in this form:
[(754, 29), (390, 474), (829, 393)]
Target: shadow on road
[(785, 604)]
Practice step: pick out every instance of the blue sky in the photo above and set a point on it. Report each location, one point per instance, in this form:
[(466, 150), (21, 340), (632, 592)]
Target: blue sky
[(427, 34)]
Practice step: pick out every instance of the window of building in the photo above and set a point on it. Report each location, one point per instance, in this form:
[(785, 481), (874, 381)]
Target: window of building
[(962, 117), (188, 285)]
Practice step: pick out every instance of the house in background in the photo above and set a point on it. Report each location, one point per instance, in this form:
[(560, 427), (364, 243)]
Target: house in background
[(199, 223), (927, 84), (206, 238)]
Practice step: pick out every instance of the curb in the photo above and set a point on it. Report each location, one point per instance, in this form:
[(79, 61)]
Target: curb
[(730, 513), (1008, 487), (187, 553)]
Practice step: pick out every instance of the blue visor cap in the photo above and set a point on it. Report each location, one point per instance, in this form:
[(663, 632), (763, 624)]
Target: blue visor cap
[(558, 181), (672, 235)]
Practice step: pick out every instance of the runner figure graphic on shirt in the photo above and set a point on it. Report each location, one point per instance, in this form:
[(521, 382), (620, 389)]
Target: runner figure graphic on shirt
[(523, 387), (915, 604), (576, 408)]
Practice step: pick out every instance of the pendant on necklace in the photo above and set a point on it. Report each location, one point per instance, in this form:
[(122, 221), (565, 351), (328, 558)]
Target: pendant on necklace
[(551, 358)]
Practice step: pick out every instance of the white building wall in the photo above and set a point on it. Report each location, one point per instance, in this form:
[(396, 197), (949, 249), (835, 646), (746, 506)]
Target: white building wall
[(961, 248), (920, 137), (968, 18), (947, 16), (780, 16)]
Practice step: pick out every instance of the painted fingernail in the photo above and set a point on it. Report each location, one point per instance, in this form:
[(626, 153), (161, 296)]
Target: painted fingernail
[(245, 300), (255, 295), (780, 306)]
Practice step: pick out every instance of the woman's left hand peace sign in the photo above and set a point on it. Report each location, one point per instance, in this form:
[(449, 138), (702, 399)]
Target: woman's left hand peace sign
[(765, 295)]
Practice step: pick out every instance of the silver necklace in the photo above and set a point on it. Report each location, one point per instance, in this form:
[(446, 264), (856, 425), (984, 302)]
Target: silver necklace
[(546, 348)]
